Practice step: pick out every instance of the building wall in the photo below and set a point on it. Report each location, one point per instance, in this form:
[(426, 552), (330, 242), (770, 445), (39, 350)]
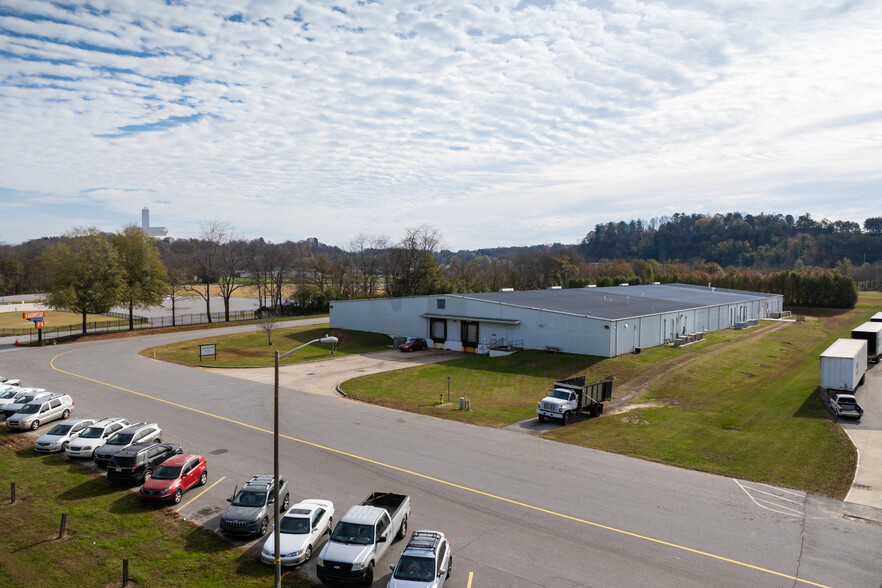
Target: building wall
[(538, 328)]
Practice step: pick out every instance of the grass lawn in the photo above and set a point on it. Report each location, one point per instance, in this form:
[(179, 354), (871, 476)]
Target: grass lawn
[(741, 403), (104, 525), (250, 349), (54, 318)]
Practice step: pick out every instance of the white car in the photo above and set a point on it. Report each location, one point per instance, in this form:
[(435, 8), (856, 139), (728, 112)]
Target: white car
[(12, 406), (58, 437), (9, 382), (94, 437), (300, 529)]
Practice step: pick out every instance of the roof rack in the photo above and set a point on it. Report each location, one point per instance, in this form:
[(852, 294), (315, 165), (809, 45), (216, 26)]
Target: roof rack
[(424, 540)]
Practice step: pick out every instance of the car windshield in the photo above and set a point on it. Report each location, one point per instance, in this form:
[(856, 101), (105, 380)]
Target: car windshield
[(29, 409), (165, 472), (60, 430), (121, 439), (24, 399), (421, 569), (352, 533), (295, 525), (249, 498), (92, 433), (8, 394), (562, 394)]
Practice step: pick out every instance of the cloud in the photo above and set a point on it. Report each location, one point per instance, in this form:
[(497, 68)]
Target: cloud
[(523, 123)]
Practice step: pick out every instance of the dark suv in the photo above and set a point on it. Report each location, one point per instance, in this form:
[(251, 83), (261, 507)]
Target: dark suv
[(136, 463)]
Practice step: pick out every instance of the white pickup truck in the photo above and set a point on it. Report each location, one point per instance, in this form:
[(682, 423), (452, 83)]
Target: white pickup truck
[(845, 405), (362, 537)]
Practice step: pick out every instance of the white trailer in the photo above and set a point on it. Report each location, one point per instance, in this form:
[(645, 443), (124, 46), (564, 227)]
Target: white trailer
[(843, 365), (872, 332), (876, 318)]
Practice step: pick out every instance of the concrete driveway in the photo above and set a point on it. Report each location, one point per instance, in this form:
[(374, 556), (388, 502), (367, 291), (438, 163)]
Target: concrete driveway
[(324, 377), (866, 488)]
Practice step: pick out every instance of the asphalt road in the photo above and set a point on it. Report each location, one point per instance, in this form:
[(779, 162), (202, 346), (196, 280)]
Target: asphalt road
[(519, 510)]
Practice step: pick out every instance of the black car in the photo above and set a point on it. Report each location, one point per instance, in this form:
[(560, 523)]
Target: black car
[(136, 463)]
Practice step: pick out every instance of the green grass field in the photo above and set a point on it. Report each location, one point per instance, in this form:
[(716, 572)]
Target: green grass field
[(251, 349), (104, 525)]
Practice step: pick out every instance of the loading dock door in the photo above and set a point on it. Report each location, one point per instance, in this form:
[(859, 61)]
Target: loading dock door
[(469, 334), (438, 330)]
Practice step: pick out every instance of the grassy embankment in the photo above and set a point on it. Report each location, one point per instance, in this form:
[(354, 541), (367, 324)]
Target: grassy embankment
[(104, 525), (741, 403), (250, 349), (54, 318)]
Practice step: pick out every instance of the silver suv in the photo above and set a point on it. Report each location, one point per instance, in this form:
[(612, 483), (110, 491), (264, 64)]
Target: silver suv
[(137, 433), (252, 507), (94, 437), (25, 395), (425, 563), (41, 411)]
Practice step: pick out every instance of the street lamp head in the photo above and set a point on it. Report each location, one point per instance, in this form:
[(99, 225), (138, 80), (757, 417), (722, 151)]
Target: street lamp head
[(327, 339)]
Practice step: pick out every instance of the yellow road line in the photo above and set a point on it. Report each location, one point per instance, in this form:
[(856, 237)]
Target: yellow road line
[(446, 483), (471, 575), (200, 494)]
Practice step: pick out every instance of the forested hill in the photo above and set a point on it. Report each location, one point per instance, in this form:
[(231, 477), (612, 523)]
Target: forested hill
[(765, 240)]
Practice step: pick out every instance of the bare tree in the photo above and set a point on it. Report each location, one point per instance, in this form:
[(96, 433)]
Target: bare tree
[(207, 259), (267, 324), (367, 253)]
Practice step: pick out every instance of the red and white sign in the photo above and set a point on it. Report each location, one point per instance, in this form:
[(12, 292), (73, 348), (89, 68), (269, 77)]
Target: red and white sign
[(33, 314), (38, 324)]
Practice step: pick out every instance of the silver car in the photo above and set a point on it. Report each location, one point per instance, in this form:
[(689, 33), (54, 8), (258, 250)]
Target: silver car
[(40, 411), (137, 433), (94, 437), (59, 437), (15, 397), (9, 382), (425, 563)]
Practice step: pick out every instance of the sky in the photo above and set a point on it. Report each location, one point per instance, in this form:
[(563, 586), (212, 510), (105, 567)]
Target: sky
[(497, 123)]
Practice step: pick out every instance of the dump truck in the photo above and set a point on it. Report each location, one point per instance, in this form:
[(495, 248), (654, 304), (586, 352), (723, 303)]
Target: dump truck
[(843, 365), (872, 332), (570, 397)]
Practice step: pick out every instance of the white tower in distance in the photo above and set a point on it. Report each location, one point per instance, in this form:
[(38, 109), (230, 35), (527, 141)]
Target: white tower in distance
[(145, 225)]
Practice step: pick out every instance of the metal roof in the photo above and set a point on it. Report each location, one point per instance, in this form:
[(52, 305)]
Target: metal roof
[(618, 302), (846, 348)]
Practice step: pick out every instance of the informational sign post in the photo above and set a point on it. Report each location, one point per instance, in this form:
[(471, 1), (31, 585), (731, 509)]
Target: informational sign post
[(36, 317), (209, 350)]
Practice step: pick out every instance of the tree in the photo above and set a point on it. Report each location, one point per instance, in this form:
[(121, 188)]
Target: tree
[(84, 273), (144, 278), (873, 225), (206, 260)]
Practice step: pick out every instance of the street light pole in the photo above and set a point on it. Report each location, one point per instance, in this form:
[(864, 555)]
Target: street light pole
[(277, 556)]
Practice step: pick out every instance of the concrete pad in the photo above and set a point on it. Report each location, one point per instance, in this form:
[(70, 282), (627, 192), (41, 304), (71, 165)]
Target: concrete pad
[(323, 376), (866, 489)]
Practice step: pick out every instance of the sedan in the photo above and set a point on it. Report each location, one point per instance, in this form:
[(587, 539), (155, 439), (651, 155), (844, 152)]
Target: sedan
[(59, 437), (413, 344), (299, 531), (175, 476)]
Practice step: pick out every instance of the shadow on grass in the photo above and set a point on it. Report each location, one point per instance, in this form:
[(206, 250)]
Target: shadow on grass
[(813, 407), (202, 540), (29, 453), (88, 489), (34, 544)]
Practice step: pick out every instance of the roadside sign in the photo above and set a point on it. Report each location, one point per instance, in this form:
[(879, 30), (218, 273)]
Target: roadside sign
[(38, 324), (33, 314), (208, 351)]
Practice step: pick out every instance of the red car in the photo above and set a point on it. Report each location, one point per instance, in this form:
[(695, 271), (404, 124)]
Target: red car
[(175, 476), (413, 344)]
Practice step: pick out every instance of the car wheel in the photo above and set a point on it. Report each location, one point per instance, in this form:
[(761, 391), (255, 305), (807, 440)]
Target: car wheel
[(566, 419), (402, 530), (369, 575), (64, 446), (147, 473), (286, 502), (203, 478), (308, 554), (177, 497), (330, 525), (263, 526), (35, 425), (541, 418), (449, 566), (65, 414), (158, 440)]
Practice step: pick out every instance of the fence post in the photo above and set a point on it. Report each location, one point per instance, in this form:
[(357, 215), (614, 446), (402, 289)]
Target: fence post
[(12, 493), (63, 525), (125, 572)]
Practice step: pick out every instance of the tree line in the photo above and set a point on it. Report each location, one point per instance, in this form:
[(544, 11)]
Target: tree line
[(89, 271)]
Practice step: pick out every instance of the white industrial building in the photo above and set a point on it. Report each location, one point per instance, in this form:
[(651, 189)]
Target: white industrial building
[(589, 321)]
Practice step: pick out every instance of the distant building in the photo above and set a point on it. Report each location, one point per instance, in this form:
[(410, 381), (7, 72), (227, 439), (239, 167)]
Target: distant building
[(145, 225)]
